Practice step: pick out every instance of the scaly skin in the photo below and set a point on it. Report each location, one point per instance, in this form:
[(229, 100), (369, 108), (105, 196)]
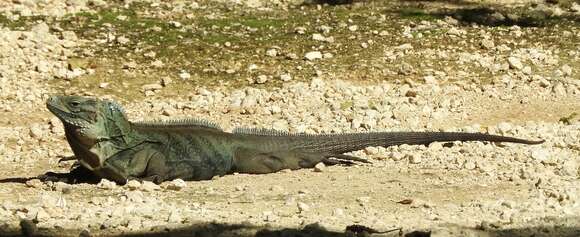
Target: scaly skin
[(107, 143)]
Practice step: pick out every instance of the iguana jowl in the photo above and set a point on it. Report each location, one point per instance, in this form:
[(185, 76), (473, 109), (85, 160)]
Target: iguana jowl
[(107, 143)]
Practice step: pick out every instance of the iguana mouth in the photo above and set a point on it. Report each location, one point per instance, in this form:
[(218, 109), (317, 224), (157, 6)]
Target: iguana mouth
[(51, 104)]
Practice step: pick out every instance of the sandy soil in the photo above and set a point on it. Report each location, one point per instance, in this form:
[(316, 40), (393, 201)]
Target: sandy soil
[(427, 72)]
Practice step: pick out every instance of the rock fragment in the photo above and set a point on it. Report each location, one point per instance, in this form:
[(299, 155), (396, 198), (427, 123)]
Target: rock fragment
[(303, 207), (36, 131), (313, 55), (149, 186), (415, 158), (320, 167), (318, 37), (430, 80), (261, 79), (130, 65), (176, 185), (123, 40), (566, 70), (487, 44), (133, 185), (339, 212), (184, 75), (285, 77), (272, 52), (291, 56), (106, 184), (34, 183), (515, 63), (300, 30)]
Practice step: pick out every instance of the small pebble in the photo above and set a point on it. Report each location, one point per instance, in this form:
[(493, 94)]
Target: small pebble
[(318, 37), (291, 56), (430, 80), (133, 185), (314, 55), (34, 183), (320, 167), (566, 70), (272, 52), (149, 186), (36, 131), (176, 185), (261, 79), (515, 63), (106, 184), (415, 158), (285, 77), (302, 207), (184, 75), (338, 212)]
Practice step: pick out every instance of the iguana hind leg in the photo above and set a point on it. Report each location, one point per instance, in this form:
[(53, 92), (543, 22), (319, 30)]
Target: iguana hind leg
[(256, 162)]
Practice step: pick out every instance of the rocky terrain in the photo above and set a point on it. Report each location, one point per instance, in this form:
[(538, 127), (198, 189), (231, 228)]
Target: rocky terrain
[(314, 67)]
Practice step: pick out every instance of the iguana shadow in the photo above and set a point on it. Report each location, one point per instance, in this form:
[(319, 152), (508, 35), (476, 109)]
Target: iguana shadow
[(77, 175), (560, 226), (82, 175)]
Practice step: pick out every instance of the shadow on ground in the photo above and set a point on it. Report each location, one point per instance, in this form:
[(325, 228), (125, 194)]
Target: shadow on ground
[(566, 227), (75, 176), (329, 2), (486, 15)]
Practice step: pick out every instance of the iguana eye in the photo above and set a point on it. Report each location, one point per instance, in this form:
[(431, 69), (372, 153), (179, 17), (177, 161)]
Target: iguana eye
[(75, 103)]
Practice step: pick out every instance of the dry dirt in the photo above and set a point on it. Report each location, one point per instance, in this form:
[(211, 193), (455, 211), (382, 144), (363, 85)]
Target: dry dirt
[(433, 69)]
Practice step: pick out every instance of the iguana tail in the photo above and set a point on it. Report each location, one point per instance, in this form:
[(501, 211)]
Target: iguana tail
[(341, 143), (277, 151)]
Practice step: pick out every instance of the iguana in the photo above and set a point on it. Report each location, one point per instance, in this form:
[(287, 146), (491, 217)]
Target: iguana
[(104, 141)]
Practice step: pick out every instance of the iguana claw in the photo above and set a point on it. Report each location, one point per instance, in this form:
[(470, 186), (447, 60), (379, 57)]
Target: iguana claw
[(66, 158)]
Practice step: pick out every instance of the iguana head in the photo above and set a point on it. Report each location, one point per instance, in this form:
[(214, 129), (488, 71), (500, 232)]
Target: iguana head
[(91, 119), (95, 129)]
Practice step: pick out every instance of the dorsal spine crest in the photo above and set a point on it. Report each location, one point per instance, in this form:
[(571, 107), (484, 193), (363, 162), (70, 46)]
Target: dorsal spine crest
[(185, 123), (267, 132)]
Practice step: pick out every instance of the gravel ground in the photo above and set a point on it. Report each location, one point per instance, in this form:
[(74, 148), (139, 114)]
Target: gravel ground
[(446, 75)]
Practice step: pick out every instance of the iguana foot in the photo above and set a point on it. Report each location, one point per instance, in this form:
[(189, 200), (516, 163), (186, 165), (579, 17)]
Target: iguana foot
[(349, 159), (80, 174), (153, 178), (77, 174), (330, 162)]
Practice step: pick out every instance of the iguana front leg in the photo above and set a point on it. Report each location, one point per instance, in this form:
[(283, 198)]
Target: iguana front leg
[(155, 170), (112, 173)]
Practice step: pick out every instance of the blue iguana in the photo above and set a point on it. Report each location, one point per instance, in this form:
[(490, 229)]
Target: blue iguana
[(105, 142)]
